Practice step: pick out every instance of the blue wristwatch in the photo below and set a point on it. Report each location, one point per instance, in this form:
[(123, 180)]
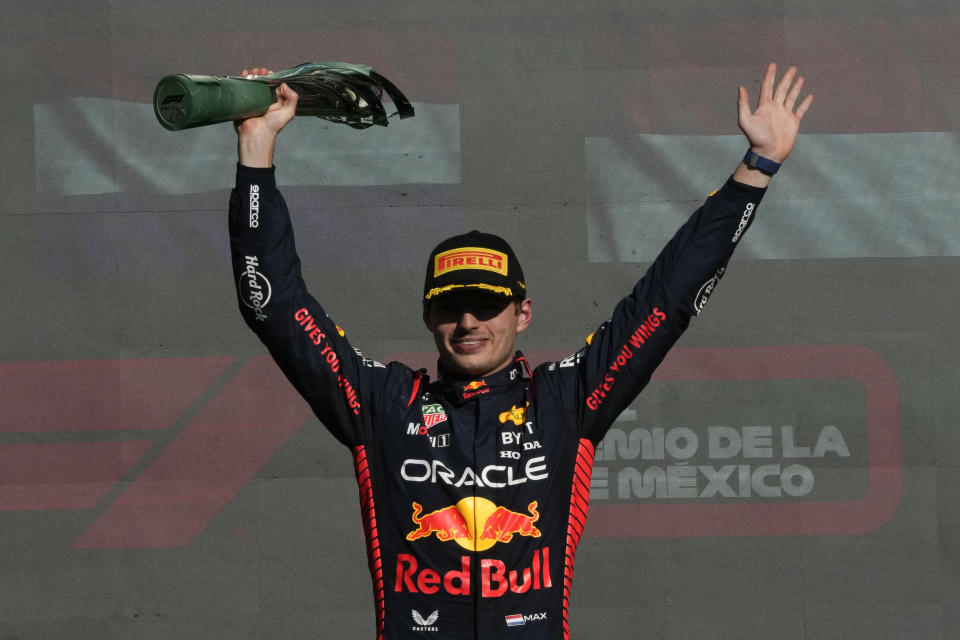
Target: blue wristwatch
[(757, 161)]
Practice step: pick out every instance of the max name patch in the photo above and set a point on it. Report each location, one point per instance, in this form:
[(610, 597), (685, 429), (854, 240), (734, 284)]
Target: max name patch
[(470, 258)]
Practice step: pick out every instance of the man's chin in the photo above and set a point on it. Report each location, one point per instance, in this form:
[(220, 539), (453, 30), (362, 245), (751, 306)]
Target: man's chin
[(465, 370), (467, 366)]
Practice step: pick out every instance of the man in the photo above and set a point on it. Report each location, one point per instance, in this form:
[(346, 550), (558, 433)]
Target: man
[(474, 487)]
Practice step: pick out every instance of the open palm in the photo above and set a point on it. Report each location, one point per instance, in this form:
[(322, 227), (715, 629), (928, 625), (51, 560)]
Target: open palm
[(772, 127)]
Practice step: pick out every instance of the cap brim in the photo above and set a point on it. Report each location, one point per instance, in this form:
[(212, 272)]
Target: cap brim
[(506, 292)]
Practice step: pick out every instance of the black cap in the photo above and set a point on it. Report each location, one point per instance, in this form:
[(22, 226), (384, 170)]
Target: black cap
[(474, 260)]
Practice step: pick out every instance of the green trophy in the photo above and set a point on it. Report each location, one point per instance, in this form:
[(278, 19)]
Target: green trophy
[(350, 94)]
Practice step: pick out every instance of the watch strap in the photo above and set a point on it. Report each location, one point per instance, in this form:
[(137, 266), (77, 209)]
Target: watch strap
[(757, 161)]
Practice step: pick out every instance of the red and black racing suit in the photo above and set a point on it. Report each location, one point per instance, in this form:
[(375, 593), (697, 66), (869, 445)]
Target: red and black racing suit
[(473, 492)]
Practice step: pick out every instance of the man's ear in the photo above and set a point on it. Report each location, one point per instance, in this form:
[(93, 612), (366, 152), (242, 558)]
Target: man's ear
[(524, 314), (426, 316)]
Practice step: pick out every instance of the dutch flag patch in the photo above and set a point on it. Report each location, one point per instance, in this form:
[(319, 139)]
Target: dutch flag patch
[(514, 620)]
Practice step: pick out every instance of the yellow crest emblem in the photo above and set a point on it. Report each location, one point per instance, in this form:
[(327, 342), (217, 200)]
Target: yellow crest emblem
[(518, 415)]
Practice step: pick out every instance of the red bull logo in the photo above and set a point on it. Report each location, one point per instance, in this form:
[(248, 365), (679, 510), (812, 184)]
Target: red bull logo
[(502, 524), (495, 578), (448, 523), (474, 523), (475, 388)]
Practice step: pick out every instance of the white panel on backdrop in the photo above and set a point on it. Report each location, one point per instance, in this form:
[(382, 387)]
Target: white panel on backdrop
[(879, 195), (82, 141)]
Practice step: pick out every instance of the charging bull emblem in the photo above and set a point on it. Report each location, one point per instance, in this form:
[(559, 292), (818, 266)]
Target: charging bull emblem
[(474, 523)]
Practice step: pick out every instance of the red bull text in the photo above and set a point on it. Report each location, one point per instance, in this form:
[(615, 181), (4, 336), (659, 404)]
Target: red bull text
[(495, 579)]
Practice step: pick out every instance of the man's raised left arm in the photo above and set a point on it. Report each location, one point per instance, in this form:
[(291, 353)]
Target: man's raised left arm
[(772, 127)]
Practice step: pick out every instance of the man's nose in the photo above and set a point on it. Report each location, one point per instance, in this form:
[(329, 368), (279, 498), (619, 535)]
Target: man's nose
[(468, 320)]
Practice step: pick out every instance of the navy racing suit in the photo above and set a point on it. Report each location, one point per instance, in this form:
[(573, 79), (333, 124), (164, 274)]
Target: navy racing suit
[(473, 493)]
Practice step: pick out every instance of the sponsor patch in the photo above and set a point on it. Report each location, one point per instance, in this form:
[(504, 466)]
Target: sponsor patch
[(470, 258), (514, 620), (519, 619), (493, 475), (496, 578), (705, 290), (517, 415), (254, 288), (433, 414), (474, 389), (744, 222), (424, 624), (254, 206)]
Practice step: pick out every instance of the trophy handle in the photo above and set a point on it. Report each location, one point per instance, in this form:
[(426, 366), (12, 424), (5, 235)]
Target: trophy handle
[(183, 101)]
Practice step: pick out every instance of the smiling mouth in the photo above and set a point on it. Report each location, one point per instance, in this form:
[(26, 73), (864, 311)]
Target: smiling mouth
[(469, 346)]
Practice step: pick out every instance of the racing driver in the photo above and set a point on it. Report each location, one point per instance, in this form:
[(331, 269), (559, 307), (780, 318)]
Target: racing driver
[(474, 486)]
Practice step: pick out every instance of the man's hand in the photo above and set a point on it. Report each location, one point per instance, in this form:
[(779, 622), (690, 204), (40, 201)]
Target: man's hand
[(772, 128), (256, 136)]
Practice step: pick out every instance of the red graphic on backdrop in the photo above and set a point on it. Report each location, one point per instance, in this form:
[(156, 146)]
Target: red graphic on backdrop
[(185, 485)]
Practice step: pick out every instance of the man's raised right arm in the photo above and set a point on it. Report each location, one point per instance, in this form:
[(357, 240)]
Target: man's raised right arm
[(256, 137), (306, 344)]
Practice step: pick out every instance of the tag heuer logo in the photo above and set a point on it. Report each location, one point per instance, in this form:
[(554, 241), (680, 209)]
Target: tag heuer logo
[(433, 414)]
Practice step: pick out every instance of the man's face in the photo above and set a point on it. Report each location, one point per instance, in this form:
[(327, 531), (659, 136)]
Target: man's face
[(475, 331)]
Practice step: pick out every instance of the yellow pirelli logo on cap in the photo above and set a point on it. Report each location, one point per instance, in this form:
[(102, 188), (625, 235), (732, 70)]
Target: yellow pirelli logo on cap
[(470, 258)]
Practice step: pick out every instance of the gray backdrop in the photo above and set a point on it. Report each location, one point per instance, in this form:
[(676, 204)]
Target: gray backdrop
[(792, 471)]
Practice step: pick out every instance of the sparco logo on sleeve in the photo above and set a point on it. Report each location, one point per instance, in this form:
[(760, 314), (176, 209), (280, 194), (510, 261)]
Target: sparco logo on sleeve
[(255, 206), (744, 221), (254, 288)]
